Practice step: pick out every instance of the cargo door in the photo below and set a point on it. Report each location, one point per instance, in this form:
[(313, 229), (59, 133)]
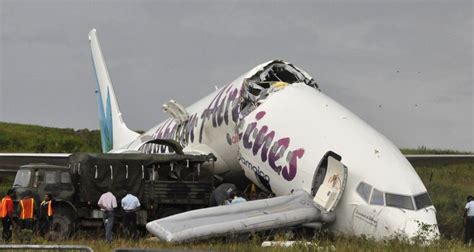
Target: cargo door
[(329, 182)]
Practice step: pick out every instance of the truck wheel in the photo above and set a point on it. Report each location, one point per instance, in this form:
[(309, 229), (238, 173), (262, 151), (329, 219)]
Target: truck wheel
[(170, 211), (63, 223)]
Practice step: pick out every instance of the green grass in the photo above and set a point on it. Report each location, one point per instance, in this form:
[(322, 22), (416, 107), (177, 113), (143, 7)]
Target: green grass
[(6, 182), (38, 139), (324, 243), (426, 151), (448, 188)]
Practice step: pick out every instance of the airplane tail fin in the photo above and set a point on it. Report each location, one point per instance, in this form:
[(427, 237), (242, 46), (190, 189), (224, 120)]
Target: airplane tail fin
[(113, 130)]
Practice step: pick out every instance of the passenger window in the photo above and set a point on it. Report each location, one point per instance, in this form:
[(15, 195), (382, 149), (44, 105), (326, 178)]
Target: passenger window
[(377, 198), (50, 177), (65, 178), (399, 201), (364, 191)]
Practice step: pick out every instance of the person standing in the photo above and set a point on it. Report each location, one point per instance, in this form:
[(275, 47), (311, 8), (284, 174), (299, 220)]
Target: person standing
[(27, 209), (45, 215), (6, 214), (107, 203), (469, 220), (130, 205)]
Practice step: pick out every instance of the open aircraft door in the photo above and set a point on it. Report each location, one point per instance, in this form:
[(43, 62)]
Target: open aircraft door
[(329, 182)]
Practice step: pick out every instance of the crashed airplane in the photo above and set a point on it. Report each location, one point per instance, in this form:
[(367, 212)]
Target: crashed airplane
[(275, 127)]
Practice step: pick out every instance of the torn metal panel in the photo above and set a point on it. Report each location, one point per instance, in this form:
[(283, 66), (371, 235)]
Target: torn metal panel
[(252, 216), (271, 77), (176, 110)]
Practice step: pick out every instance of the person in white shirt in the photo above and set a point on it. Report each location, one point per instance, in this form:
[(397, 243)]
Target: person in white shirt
[(107, 203), (469, 220), (130, 205)]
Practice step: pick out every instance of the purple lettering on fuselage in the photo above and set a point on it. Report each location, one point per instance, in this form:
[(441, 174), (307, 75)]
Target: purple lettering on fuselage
[(223, 110), (224, 103), (290, 172), (257, 139), (219, 108)]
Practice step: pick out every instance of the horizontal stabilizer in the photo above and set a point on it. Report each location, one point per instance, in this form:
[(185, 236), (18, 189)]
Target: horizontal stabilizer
[(258, 215)]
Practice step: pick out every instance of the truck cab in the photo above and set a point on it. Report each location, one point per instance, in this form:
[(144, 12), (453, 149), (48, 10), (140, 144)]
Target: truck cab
[(37, 180), (40, 179)]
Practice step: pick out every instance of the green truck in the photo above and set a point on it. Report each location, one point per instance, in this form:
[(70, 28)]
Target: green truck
[(165, 184)]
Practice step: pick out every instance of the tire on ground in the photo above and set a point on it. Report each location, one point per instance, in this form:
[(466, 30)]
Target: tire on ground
[(63, 223)]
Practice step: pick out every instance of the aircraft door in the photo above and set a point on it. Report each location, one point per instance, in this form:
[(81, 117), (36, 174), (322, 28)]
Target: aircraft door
[(329, 182)]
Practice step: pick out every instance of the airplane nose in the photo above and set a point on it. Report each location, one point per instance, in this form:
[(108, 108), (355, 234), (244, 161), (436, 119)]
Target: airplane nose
[(422, 226), (388, 222)]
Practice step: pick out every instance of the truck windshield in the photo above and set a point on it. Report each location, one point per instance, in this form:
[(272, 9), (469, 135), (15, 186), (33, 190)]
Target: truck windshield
[(22, 178)]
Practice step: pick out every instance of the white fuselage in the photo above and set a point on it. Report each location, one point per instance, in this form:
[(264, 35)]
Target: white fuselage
[(280, 142)]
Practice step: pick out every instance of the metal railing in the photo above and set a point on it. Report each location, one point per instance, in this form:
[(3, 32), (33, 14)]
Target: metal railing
[(23, 247)]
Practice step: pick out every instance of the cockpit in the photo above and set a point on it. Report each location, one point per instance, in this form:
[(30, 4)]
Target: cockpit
[(279, 71), (273, 77), (374, 196)]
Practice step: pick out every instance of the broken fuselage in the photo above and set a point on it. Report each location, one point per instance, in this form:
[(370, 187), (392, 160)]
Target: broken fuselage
[(274, 124)]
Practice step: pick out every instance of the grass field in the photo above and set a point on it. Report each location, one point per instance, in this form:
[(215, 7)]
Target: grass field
[(448, 187), (324, 243), (423, 150), (38, 139)]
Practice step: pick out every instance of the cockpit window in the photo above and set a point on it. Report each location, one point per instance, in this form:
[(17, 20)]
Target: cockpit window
[(364, 190), (393, 200), (422, 201), (377, 198), (399, 201)]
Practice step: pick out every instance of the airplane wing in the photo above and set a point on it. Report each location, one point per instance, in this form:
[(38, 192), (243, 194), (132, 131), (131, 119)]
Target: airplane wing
[(9, 162), (251, 216), (430, 160), (295, 209)]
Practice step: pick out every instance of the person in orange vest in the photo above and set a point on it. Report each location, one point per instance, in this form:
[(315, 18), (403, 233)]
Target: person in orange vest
[(45, 214), (26, 215), (6, 214)]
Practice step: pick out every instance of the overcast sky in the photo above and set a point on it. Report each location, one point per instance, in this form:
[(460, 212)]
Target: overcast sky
[(405, 67)]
